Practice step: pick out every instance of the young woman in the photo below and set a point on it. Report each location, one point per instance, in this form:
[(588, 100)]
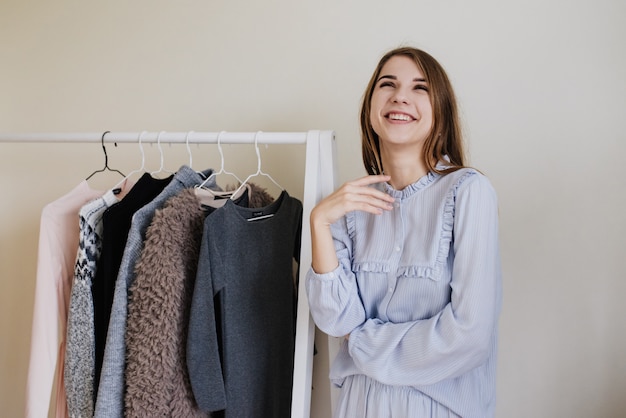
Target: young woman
[(406, 261)]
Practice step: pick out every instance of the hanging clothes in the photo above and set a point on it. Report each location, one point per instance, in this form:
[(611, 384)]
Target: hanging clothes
[(157, 382), (109, 402), (110, 396), (56, 258), (116, 222), (79, 356), (240, 343)]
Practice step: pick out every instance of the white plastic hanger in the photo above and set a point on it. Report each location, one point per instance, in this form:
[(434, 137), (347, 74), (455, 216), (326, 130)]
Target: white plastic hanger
[(161, 168), (143, 162), (221, 171), (258, 171)]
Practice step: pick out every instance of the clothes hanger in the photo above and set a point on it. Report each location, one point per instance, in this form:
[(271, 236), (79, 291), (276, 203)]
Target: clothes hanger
[(106, 161), (215, 198), (221, 170), (143, 162), (161, 168), (258, 171)]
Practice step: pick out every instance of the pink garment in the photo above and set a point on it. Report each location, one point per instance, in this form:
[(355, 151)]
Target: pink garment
[(58, 246)]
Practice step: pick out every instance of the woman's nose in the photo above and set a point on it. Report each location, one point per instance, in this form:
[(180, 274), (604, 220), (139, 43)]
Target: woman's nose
[(400, 97)]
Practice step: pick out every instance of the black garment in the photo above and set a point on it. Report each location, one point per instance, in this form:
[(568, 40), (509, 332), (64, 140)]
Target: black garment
[(116, 222)]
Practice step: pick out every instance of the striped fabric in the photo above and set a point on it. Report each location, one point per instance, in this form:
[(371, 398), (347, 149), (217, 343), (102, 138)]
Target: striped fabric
[(418, 291)]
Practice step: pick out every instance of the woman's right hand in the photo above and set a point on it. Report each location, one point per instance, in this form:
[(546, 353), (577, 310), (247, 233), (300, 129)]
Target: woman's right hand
[(351, 196)]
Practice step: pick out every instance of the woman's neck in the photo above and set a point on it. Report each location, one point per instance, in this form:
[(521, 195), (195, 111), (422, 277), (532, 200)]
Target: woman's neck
[(404, 168)]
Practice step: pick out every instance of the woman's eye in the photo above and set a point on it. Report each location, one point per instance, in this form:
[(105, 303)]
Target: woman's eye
[(386, 84), (421, 87)]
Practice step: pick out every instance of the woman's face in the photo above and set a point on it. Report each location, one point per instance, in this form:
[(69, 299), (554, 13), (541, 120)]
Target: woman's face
[(401, 112)]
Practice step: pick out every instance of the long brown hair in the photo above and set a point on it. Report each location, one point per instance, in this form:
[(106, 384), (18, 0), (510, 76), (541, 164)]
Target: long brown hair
[(445, 138)]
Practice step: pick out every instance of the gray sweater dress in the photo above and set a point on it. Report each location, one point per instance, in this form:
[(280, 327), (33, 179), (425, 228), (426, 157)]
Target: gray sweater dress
[(240, 342)]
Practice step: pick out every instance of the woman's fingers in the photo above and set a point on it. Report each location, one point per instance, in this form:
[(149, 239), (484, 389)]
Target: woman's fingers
[(359, 192), (363, 199), (369, 180), (354, 195)]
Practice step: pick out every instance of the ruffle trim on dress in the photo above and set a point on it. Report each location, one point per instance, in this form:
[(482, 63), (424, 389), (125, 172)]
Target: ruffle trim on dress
[(419, 271), (448, 219), (402, 271), (371, 267), (351, 225), (411, 189)]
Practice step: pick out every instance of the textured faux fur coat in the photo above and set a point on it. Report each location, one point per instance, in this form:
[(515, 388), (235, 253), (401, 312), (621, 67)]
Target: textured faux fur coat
[(157, 381)]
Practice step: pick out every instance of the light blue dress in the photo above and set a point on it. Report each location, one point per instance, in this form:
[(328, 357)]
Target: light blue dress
[(418, 291)]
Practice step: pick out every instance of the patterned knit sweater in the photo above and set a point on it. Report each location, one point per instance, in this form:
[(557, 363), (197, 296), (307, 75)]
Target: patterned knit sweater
[(79, 357)]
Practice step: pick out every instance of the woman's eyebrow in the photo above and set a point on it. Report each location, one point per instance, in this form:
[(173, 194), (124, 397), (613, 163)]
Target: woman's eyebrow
[(393, 77)]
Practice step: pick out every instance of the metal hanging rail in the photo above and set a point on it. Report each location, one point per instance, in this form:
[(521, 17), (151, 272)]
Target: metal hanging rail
[(190, 137)]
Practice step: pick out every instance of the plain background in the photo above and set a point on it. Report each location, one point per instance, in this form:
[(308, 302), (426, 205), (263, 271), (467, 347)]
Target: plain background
[(542, 91)]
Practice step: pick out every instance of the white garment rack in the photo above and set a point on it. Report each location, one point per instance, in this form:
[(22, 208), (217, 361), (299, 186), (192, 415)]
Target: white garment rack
[(319, 181)]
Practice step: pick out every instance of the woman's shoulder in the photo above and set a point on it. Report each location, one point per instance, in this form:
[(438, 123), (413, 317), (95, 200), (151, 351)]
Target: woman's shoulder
[(466, 174), (467, 180)]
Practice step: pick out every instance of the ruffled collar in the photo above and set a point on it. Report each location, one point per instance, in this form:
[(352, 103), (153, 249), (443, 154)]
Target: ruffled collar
[(422, 182)]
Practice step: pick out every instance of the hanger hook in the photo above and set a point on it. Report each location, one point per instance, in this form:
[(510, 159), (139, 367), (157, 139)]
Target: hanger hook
[(219, 147), (143, 155), (258, 153), (160, 151), (189, 149), (143, 162), (106, 157)]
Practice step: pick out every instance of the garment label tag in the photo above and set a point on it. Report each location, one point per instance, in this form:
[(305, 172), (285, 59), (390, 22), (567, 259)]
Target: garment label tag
[(256, 216)]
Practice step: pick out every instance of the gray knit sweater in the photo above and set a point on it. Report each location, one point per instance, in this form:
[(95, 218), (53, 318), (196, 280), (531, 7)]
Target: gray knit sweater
[(241, 332)]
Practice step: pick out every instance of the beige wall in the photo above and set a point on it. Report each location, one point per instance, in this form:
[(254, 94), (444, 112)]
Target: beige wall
[(543, 94)]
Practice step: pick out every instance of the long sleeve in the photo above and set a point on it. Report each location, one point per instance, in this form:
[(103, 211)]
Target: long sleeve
[(58, 243), (459, 337), (335, 303), (203, 360), (45, 341)]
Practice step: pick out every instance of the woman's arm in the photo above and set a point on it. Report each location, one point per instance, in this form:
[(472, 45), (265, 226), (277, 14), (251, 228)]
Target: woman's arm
[(333, 296)]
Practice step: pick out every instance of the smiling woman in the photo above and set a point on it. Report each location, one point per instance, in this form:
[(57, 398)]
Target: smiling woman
[(405, 261)]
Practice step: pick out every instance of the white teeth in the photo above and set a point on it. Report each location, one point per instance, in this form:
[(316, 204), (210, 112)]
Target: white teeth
[(397, 116)]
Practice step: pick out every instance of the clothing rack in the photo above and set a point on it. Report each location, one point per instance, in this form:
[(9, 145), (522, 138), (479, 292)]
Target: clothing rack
[(319, 181)]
